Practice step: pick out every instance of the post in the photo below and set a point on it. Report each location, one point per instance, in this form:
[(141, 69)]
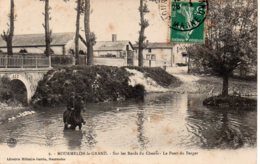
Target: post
[(49, 61), (36, 62), (171, 57), (6, 61), (22, 60)]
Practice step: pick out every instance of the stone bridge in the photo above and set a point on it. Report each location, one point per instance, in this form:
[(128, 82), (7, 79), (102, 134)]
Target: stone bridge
[(29, 71)]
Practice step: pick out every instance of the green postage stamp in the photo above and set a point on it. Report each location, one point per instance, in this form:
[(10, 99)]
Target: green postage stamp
[(187, 21)]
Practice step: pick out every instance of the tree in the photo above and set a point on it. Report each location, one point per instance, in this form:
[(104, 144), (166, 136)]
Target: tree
[(230, 38), (46, 26), (90, 36), (143, 9), (79, 11), (8, 35)]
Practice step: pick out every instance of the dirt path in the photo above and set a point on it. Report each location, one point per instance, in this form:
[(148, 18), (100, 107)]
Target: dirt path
[(211, 85)]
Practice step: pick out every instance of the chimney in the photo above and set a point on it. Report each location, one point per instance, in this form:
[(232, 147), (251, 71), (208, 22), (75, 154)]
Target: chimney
[(114, 38)]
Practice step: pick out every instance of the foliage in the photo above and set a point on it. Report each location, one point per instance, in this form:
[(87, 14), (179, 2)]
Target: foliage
[(5, 89), (230, 101), (94, 84), (230, 38)]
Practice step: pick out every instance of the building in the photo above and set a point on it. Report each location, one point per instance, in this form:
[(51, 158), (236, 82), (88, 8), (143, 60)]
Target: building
[(159, 54), (114, 52), (62, 44)]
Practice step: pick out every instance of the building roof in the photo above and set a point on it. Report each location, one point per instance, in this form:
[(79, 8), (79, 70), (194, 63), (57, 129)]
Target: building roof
[(157, 45), (112, 45), (29, 40), (32, 40)]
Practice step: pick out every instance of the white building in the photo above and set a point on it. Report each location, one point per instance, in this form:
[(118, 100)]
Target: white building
[(159, 54), (62, 44)]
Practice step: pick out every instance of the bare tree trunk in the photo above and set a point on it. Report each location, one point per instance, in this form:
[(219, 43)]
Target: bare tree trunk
[(225, 85), (47, 29), (87, 33), (77, 33), (141, 35), (9, 40)]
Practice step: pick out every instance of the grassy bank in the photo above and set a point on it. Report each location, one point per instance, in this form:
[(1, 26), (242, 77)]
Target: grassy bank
[(94, 84), (230, 101)]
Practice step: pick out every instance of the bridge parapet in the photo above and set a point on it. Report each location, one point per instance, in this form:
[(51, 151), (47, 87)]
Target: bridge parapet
[(19, 61)]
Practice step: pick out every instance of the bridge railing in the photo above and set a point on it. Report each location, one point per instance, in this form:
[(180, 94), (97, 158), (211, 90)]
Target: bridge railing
[(24, 61)]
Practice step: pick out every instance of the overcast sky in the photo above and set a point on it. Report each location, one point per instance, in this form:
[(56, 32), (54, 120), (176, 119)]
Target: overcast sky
[(109, 17)]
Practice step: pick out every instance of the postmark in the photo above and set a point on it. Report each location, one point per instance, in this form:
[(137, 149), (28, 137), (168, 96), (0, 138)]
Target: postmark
[(186, 16), (185, 19)]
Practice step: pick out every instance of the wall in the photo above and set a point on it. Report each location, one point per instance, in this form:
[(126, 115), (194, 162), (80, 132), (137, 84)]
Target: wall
[(58, 50), (36, 50), (162, 57), (110, 61), (178, 50)]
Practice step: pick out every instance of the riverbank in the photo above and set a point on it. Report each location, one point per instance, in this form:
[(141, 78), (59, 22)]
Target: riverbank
[(212, 85), (101, 84), (10, 110)]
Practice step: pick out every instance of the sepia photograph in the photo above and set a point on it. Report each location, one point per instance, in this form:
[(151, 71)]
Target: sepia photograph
[(128, 81)]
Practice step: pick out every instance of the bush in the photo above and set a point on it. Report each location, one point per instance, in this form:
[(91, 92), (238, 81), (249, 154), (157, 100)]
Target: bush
[(93, 83), (230, 101), (6, 93)]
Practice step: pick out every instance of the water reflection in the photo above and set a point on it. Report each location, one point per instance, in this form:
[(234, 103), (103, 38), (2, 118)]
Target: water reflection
[(73, 138), (90, 133), (218, 128), (142, 139)]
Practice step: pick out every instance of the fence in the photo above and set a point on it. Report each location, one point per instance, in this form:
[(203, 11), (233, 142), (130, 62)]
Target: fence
[(20, 61)]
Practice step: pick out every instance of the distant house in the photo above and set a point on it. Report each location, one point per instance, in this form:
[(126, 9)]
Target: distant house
[(62, 44), (156, 54), (114, 52), (180, 54), (159, 54)]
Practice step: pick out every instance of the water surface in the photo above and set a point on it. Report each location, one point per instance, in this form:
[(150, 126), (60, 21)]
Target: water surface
[(162, 121)]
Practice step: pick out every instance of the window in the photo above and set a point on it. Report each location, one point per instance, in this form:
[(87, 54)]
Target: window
[(147, 56), (184, 54), (153, 57), (127, 47), (149, 50)]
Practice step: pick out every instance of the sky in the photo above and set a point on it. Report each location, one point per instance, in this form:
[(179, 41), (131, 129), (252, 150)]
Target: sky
[(108, 17)]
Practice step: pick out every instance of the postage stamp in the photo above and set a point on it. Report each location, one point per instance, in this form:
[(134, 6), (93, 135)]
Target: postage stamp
[(185, 19)]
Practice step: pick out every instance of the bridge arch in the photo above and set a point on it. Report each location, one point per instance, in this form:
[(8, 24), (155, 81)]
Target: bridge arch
[(19, 89), (27, 84)]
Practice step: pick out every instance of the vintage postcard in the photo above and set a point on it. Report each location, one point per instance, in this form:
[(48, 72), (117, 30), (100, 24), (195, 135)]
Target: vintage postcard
[(128, 81)]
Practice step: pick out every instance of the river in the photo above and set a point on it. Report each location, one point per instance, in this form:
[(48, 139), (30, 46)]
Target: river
[(162, 121)]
